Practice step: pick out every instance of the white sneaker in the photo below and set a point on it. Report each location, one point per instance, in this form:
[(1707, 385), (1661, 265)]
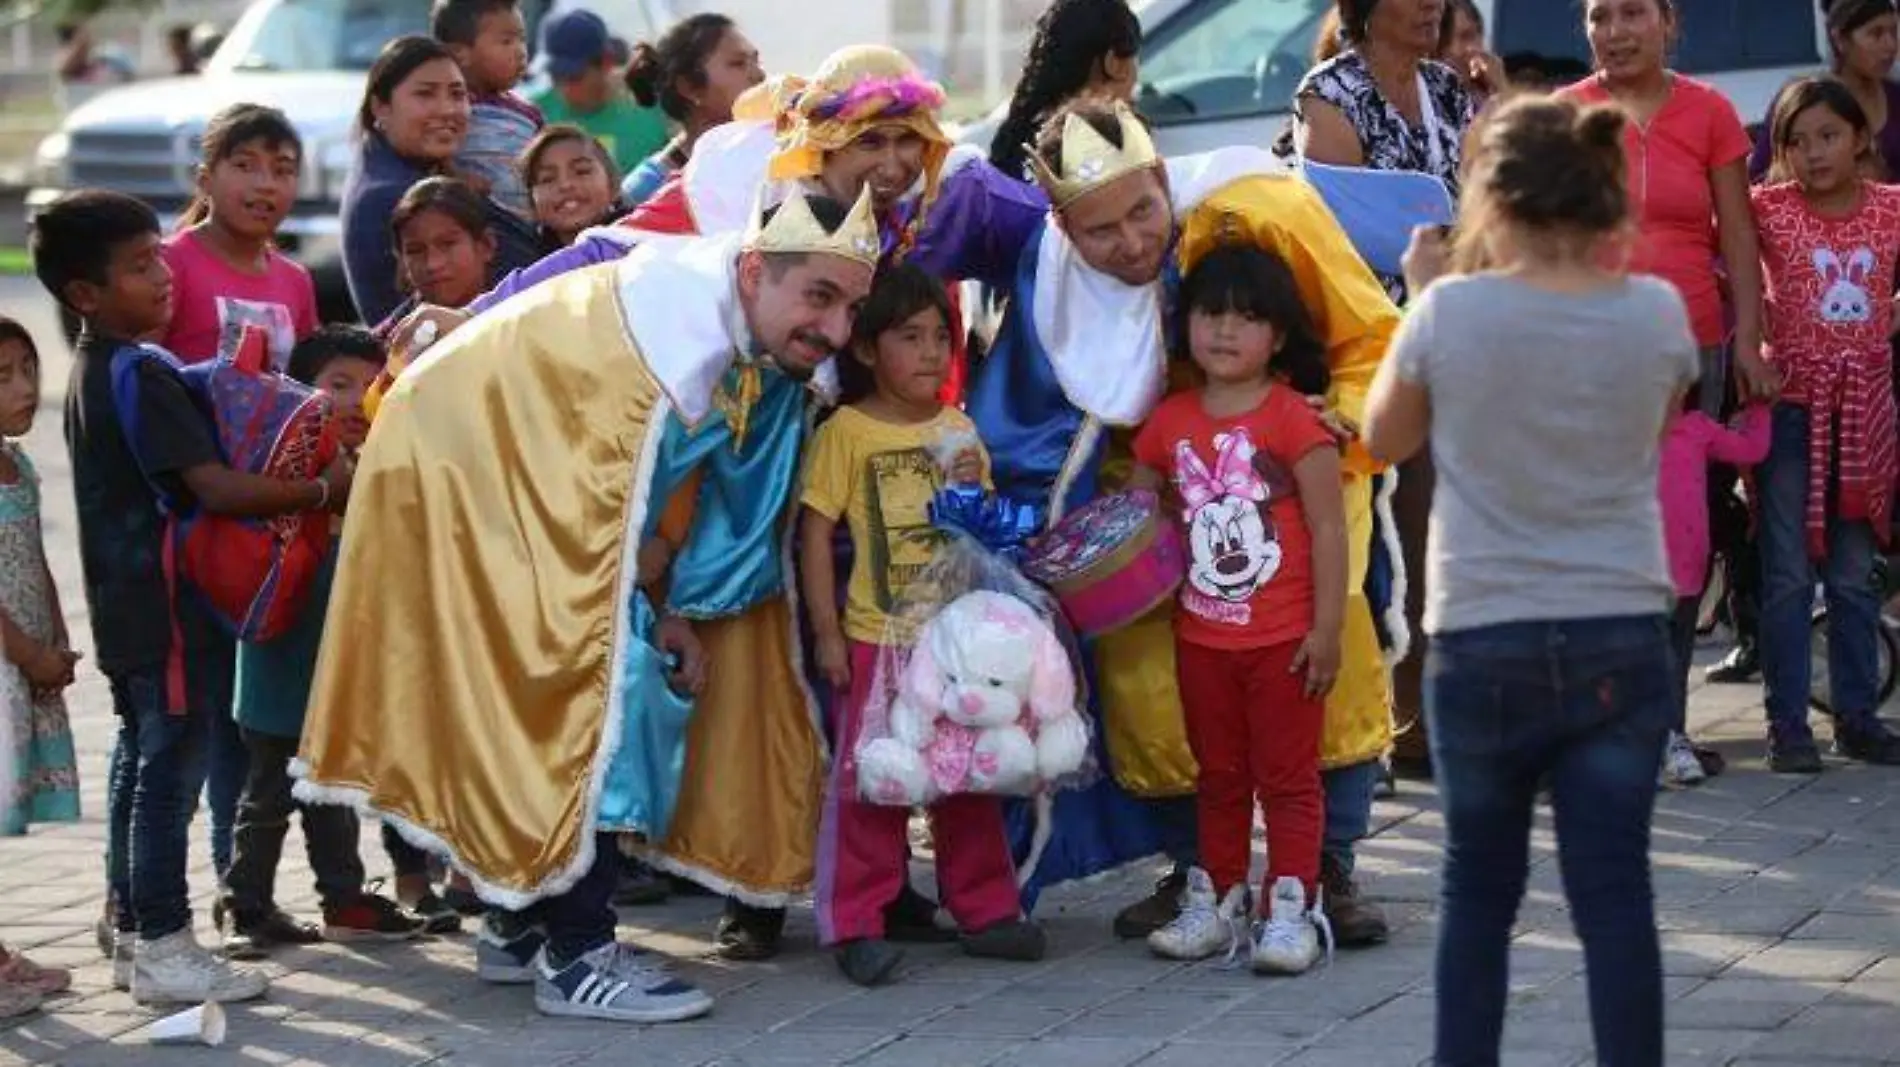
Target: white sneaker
[(1206, 925), (122, 956), (175, 969), (1287, 941), (1680, 767)]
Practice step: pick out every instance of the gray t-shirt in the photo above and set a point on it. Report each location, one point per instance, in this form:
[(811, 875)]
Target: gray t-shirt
[(1547, 416)]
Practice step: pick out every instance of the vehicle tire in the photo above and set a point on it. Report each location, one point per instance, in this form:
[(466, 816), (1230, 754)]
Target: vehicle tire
[(1886, 652)]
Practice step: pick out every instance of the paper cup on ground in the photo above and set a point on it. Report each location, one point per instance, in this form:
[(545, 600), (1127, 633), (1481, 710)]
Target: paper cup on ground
[(202, 1025)]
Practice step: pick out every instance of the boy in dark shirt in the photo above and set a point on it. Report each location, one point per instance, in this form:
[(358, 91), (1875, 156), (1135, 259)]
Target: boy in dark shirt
[(98, 254)]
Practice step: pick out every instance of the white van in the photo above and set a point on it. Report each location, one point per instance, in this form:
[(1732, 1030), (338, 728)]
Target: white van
[(1222, 72), (307, 58)]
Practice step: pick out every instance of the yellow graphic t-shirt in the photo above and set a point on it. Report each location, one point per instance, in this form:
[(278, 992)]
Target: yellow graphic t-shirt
[(879, 477)]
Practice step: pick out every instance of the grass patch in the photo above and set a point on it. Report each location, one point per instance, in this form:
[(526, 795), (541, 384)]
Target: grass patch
[(15, 261)]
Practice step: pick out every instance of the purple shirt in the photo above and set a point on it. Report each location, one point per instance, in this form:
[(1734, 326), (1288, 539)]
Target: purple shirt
[(976, 231)]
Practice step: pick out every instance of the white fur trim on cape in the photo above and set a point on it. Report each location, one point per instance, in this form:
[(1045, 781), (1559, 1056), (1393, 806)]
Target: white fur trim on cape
[(687, 339), (723, 177), (1396, 628), (610, 732), (1103, 336), (1192, 179)]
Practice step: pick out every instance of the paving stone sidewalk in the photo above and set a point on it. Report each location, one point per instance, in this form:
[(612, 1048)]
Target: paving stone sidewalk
[(1778, 898)]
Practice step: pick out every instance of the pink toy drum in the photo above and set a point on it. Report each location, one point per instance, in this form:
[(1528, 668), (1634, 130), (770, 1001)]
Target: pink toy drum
[(1110, 562)]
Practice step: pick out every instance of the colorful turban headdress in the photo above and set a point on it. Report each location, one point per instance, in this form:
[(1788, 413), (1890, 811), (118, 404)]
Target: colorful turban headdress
[(856, 90)]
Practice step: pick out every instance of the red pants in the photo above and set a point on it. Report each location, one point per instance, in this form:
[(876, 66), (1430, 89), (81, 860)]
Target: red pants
[(1254, 732), (863, 854)]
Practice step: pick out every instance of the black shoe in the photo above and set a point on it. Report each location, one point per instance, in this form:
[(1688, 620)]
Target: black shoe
[(912, 919), (1793, 752), (1741, 666), (748, 934), (640, 886), (1016, 939), (1864, 738), (250, 937), (464, 902), (372, 917), (1154, 911), (870, 961), (1388, 784), (437, 915)]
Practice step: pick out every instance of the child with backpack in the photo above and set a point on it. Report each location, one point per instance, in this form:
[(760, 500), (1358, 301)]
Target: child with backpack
[(168, 657), (273, 684)]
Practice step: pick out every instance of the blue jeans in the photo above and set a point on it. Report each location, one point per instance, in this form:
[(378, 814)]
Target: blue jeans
[(227, 765), (1787, 597), (1587, 702), (1348, 809), (158, 769)]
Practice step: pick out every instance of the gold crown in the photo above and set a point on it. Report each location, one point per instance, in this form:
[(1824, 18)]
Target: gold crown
[(1089, 161), (794, 230)]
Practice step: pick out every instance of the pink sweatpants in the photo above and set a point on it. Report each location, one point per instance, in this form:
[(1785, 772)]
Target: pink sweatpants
[(862, 848)]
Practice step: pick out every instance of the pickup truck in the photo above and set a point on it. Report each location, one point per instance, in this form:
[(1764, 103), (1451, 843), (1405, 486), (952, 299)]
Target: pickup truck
[(1222, 72), (305, 57)]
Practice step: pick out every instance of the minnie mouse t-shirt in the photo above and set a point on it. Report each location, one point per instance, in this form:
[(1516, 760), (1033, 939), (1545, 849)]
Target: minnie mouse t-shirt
[(1250, 557)]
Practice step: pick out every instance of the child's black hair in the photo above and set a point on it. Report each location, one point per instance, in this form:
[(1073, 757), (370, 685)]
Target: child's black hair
[(898, 293), (74, 238), (1258, 284), (326, 345), (230, 130), (460, 21), (453, 197), (1073, 39), (11, 330)]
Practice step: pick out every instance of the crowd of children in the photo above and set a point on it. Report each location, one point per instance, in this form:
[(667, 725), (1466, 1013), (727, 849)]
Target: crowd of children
[(1249, 466)]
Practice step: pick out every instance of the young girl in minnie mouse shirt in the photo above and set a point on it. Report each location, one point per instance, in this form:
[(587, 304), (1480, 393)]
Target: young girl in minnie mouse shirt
[(1257, 477)]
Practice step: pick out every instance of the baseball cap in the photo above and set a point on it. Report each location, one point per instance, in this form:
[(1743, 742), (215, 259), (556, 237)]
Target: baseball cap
[(574, 41)]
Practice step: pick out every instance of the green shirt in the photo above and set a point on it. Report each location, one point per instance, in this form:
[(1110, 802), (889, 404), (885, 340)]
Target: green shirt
[(629, 132)]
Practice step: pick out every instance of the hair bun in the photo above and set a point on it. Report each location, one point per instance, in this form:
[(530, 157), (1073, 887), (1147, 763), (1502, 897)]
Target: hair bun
[(643, 74), (1602, 127)]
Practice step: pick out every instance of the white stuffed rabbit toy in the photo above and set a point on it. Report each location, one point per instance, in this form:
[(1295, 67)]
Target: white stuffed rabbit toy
[(986, 705)]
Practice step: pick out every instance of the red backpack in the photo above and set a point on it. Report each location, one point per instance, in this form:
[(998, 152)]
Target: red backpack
[(253, 574)]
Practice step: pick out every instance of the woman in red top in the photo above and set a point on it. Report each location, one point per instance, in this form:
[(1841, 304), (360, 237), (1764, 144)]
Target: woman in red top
[(1258, 630), (1688, 184)]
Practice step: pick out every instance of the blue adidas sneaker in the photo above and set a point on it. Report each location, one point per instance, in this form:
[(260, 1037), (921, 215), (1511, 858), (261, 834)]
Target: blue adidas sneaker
[(505, 949), (619, 983)]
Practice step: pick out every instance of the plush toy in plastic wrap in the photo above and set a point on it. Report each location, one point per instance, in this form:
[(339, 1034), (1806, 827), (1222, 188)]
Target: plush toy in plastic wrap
[(985, 704)]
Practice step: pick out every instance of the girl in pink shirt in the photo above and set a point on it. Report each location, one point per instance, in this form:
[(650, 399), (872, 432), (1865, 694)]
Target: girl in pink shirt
[(1688, 184), (226, 271), (227, 274), (1830, 240), (1691, 443)]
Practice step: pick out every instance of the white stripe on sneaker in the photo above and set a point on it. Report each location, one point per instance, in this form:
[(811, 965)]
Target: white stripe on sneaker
[(605, 994)]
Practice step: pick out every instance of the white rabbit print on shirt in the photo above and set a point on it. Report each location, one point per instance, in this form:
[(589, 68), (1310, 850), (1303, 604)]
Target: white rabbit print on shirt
[(1234, 548), (1845, 300)]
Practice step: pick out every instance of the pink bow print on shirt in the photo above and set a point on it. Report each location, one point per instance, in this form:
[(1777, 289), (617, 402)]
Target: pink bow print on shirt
[(1233, 474)]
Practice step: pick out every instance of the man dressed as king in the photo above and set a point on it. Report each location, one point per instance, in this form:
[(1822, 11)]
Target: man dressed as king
[(500, 685), (1079, 362)]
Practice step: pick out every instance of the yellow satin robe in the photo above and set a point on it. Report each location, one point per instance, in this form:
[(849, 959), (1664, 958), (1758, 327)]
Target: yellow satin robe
[(1356, 319), (465, 683)]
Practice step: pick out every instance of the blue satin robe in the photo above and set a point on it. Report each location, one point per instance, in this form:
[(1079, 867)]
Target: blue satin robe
[(732, 561), (1031, 430)]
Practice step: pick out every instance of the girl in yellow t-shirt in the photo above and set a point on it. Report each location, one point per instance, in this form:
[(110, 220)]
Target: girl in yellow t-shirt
[(872, 466)]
